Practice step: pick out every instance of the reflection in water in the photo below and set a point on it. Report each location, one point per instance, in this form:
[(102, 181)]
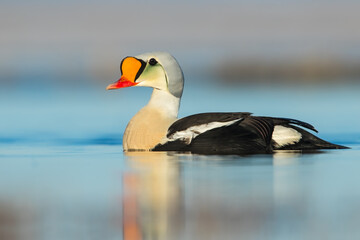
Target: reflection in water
[(286, 157), (11, 221), (195, 197), (173, 196), (151, 194), (75, 195)]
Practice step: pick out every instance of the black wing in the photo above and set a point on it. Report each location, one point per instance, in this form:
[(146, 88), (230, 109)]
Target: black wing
[(219, 133), (288, 121), (204, 118), (236, 133)]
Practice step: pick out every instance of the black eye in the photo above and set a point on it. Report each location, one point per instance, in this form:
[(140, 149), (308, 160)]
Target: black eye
[(152, 61)]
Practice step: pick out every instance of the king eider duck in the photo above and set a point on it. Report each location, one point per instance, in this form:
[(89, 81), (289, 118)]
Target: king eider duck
[(156, 126)]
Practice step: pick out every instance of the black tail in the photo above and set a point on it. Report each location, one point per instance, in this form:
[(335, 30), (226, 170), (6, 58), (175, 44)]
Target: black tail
[(310, 142)]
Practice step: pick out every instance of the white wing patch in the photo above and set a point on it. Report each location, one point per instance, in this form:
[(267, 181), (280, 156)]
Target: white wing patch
[(285, 136), (190, 133)]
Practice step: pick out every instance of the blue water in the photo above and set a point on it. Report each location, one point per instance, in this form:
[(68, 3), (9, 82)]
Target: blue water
[(52, 113), (96, 192), (63, 174)]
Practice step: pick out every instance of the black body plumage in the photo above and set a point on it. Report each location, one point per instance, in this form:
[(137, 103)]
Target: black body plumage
[(245, 134)]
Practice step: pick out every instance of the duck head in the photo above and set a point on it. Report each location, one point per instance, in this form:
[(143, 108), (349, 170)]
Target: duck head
[(158, 70)]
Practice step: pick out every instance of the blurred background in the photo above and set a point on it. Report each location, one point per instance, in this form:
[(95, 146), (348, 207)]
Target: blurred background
[(57, 58), (284, 58), (246, 39)]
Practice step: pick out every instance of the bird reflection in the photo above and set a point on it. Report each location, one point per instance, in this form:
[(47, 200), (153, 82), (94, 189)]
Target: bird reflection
[(221, 197), (151, 195), (286, 157)]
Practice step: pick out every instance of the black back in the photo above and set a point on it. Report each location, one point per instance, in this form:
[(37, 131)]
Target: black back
[(247, 135)]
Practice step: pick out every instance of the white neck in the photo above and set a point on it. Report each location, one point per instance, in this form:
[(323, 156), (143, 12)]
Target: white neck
[(165, 102)]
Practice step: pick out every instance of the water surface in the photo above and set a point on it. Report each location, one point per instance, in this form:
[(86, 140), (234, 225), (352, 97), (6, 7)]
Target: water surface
[(98, 192), (63, 174)]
